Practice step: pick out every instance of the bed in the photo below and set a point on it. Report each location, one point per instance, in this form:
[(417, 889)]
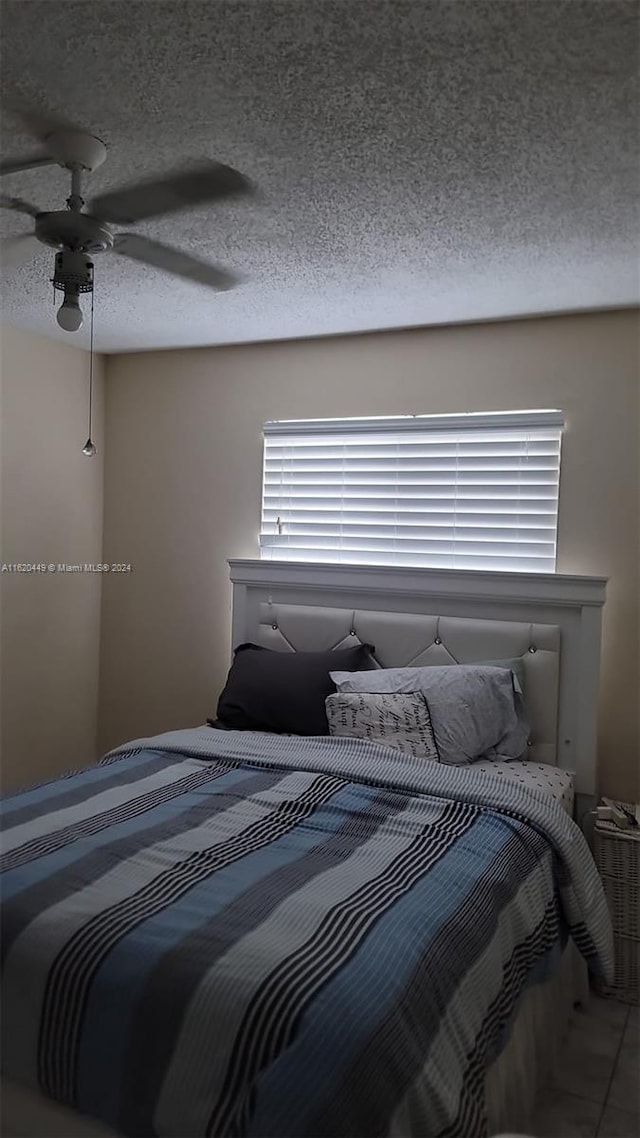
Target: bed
[(216, 933)]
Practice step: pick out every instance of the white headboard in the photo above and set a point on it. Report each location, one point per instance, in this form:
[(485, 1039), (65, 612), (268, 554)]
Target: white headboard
[(415, 616)]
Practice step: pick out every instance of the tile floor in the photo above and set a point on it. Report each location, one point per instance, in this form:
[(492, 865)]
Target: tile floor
[(596, 1085)]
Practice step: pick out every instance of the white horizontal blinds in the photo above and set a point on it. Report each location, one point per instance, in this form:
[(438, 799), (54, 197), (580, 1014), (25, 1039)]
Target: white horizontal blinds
[(460, 492)]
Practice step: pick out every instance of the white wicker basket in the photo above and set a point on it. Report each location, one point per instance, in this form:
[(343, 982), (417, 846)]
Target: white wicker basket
[(617, 854)]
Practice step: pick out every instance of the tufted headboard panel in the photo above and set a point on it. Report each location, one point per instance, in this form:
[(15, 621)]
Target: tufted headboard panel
[(412, 616), (411, 640)]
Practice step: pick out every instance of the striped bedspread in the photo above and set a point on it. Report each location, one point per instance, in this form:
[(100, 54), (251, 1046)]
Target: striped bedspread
[(215, 933)]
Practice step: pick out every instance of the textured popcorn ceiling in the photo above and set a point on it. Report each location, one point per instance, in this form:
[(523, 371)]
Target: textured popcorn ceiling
[(418, 162)]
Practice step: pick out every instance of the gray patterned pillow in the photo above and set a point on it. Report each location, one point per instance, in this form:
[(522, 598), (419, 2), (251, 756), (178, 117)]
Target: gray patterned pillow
[(475, 709), (389, 718)]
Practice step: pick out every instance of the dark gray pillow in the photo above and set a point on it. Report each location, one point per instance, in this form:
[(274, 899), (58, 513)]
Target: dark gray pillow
[(284, 692)]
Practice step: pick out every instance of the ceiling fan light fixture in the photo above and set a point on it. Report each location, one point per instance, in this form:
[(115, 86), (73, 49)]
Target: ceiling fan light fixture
[(69, 314), (73, 274)]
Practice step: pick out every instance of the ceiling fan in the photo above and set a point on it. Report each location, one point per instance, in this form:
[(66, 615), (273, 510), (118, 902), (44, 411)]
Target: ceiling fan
[(79, 235)]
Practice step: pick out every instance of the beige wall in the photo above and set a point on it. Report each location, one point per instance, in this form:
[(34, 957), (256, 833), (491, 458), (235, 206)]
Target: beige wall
[(183, 483), (51, 511)]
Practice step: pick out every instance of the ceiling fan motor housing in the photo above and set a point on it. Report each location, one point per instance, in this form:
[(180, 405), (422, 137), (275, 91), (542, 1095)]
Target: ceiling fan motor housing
[(73, 271), (73, 230)]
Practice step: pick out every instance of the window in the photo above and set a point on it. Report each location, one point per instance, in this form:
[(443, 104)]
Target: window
[(441, 491)]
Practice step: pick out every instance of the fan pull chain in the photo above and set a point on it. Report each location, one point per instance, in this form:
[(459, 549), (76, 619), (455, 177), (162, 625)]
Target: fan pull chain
[(89, 447)]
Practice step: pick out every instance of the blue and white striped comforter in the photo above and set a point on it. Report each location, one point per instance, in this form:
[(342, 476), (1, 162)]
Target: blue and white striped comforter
[(217, 933)]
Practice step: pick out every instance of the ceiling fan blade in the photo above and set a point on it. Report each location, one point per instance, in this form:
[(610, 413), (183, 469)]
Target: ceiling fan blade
[(18, 204), (173, 261), (35, 121), (165, 195), (12, 166), (16, 251)]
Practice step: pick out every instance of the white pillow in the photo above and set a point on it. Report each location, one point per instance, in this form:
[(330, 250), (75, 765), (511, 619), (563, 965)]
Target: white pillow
[(475, 709), (388, 718)]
